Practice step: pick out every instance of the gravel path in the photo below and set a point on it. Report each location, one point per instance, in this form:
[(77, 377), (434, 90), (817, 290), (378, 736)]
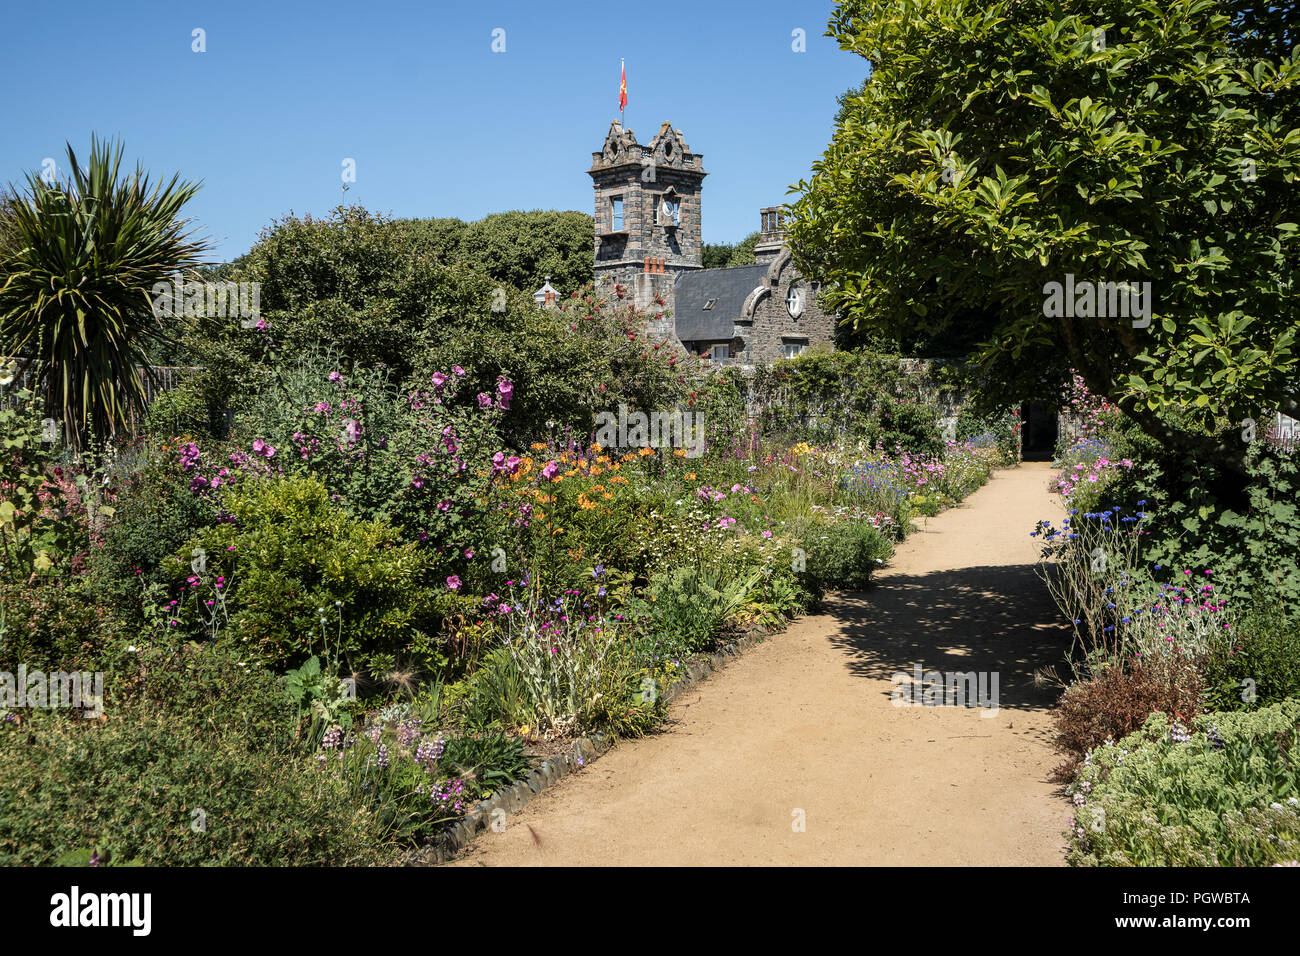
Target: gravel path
[(804, 722)]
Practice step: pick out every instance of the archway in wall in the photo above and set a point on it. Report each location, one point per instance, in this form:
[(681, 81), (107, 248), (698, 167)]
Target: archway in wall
[(1038, 431)]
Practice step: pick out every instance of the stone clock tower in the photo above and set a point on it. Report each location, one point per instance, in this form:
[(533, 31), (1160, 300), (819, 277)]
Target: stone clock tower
[(647, 212)]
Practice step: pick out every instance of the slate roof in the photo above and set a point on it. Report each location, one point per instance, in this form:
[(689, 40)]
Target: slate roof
[(730, 287)]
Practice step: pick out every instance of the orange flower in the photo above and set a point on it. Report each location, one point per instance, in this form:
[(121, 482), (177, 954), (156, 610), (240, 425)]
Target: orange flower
[(690, 477)]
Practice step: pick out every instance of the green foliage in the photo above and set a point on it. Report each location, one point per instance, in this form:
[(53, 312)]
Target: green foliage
[(715, 255), (208, 689), (824, 396), (1223, 792), (154, 790), (155, 513), (690, 605), (288, 553), (999, 430), (743, 253), (34, 536), (1258, 662), (1244, 531), (523, 248), (844, 554), (320, 693), (999, 147), (491, 760), (78, 260), (54, 623), (385, 453)]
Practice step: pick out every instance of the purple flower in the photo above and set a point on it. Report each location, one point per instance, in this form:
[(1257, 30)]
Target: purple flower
[(444, 504), (549, 469), (458, 370), (453, 582), (335, 376), (323, 408), (484, 400), (438, 380)]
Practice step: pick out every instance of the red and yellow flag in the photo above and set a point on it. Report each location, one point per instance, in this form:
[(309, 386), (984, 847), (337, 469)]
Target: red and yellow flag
[(622, 87)]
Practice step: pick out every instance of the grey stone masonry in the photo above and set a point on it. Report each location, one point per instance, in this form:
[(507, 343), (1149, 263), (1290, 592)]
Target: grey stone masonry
[(782, 316), (647, 205)]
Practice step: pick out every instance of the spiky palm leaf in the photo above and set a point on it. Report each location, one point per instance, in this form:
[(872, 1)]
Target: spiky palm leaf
[(78, 260)]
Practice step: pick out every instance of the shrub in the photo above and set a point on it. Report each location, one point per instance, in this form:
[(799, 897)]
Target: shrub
[(1220, 790), (845, 554), (1000, 432), (569, 655), (159, 792), (197, 688), (1118, 699), (53, 624), (1257, 663), (155, 513), (689, 605), (289, 552)]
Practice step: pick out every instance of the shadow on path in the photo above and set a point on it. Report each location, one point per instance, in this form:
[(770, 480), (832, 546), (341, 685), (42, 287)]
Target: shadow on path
[(996, 618)]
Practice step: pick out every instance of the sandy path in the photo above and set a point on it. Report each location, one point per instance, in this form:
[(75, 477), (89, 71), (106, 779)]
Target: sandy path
[(804, 722)]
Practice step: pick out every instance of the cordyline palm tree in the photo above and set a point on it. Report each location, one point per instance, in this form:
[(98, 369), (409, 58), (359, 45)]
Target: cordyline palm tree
[(78, 260)]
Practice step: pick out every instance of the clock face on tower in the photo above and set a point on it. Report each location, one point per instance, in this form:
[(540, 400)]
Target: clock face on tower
[(794, 301)]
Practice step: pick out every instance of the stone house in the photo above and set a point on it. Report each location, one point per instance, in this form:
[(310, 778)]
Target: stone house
[(648, 239)]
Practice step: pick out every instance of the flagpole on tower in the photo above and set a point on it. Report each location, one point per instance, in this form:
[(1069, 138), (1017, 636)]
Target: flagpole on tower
[(622, 91)]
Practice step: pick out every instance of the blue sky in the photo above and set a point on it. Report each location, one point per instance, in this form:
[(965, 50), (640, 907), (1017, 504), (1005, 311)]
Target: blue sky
[(437, 123)]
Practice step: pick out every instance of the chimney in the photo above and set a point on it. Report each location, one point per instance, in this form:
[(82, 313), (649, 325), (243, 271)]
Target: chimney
[(771, 234)]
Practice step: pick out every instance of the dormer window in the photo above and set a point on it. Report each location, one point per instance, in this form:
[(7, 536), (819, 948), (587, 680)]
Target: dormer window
[(709, 305)]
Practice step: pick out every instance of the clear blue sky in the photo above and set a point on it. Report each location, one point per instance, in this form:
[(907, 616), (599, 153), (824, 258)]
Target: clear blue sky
[(438, 124)]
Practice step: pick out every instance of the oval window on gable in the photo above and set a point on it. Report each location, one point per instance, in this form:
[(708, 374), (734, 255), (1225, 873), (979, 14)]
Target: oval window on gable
[(795, 301)]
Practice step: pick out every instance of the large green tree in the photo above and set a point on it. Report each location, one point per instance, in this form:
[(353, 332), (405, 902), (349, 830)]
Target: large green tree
[(78, 260), (998, 147), (523, 248)]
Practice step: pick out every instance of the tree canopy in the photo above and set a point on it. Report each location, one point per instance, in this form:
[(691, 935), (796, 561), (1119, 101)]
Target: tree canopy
[(997, 148)]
